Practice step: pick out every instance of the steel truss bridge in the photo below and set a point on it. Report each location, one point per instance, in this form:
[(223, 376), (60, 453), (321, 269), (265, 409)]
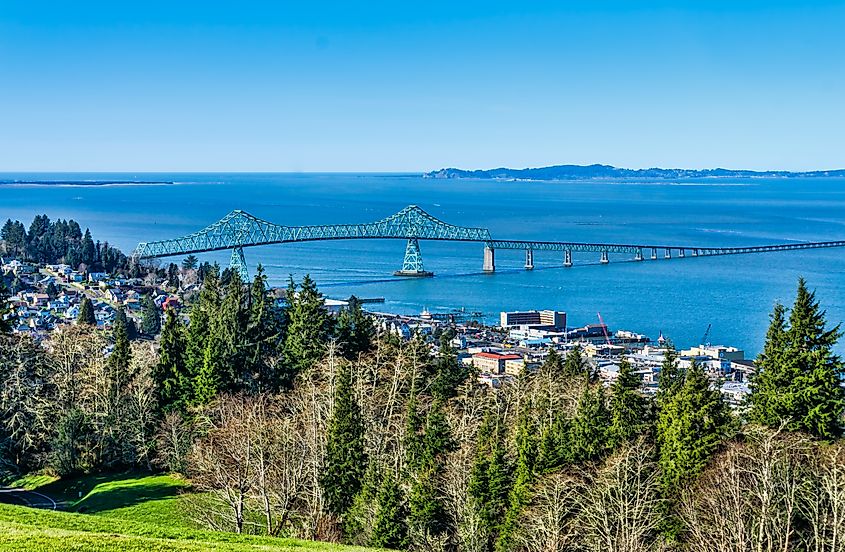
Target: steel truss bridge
[(239, 229)]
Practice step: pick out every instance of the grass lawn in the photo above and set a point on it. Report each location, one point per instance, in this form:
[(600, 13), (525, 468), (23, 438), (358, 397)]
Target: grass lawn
[(123, 512)]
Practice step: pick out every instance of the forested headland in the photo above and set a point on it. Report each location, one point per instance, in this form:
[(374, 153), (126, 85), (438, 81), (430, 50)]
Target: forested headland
[(287, 421)]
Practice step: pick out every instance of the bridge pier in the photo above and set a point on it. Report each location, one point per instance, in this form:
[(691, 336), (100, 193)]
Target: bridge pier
[(489, 259), (694, 252), (238, 264), (682, 252), (567, 258), (668, 254), (529, 259), (653, 253), (604, 259), (639, 255), (412, 266)]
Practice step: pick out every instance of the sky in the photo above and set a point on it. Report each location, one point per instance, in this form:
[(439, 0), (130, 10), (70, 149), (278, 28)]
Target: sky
[(375, 85)]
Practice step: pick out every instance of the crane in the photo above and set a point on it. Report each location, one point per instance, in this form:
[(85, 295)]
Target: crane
[(604, 329), (705, 338)]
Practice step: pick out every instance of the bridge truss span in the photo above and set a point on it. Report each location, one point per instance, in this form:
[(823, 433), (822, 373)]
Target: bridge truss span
[(239, 229)]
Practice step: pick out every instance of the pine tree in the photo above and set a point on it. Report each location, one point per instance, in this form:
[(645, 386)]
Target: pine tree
[(575, 364), (389, 529), (449, 374), (190, 262), (490, 477), (553, 364), (355, 331), (173, 386), (86, 313), (307, 328), (799, 379), (199, 328), (345, 460), (629, 408), (206, 383), (150, 316), (554, 450), (671, 376), (121, 355)]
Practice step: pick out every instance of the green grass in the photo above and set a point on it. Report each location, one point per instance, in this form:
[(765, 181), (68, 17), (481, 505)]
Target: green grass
[(23, 528), (127, 511)]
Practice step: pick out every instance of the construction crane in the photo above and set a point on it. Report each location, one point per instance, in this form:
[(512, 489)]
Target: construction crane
[(604, 328), (706, 337)]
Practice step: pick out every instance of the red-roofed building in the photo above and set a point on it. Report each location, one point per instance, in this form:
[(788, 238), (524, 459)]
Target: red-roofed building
[(493, 363)]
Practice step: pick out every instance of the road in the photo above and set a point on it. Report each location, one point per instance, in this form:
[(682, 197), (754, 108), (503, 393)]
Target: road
[(27, 498)]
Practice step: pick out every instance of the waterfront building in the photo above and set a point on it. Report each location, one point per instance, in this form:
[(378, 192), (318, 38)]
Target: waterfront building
[(537, 319), (493, 363)]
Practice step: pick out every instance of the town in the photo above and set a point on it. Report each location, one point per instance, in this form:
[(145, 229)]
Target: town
[(46, 296)]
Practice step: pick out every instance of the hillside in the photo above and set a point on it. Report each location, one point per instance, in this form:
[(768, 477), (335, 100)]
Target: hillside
[(128, 513), (599, 172)]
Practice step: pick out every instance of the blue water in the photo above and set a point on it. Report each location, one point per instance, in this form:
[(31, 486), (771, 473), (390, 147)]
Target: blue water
[(680, 297)]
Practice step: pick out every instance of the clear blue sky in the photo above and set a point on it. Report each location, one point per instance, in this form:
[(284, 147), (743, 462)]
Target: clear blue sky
[(402, 85)]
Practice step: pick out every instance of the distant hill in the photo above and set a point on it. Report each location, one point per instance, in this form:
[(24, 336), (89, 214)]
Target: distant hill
[(596, 172)]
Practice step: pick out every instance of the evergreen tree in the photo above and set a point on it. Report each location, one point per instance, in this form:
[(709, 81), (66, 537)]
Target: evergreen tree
[(206, 383), (173, 276), (389, 529), (449, 374), (690, 427), (553, 364), (589, 435), (88, 252), (307, 328), (345, 460), (230, 335), (520, 494), (121, 355), (355, 331), (629, 408), (671, 376), (199, 328), (7, 314), (490, 482), (263, 336), (86, 313), (190, 262), (150, 316), (575, 364), (800, 378), (555, 446), (173, 386)]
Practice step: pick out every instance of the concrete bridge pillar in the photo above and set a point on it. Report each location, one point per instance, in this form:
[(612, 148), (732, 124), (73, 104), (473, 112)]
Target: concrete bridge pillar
[(668, 254), (639, 255), (567, 258), (529, 259), (489, 259), (604, 259), (694, 252), (653, 253), (682, 252)]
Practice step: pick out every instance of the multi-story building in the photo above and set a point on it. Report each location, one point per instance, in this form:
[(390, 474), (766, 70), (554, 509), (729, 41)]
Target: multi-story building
[(545, 318)]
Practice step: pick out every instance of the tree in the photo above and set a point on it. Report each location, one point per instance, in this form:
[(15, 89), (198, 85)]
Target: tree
[(448, 372), (800, 378), (575, 364), (589, 435), (490, 477), (355, 330), (7, 314), (173, 385), (307, 328), (691, 425), (628, 406), (520, 494), (199, 327), (150, 316), (263, 337), (346, 460), (190, 262), (553, 365), (86, 313), (173, 276), (389, 529)]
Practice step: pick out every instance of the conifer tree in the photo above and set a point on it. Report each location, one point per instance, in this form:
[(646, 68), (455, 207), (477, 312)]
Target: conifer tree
[(173, 386), (449, 374), (121, 354), (86, 313), (206, 306), (553, 364), (490, 481), (671, 376), (575, 364), (389, 528), (7, 315), (691, 425), (263, 334), (520, 494), (629, 408), (355, 331), (554, 450), (345, 460), (150, 316), (206, 383), (800, 378), (307, 328), (589, 435)]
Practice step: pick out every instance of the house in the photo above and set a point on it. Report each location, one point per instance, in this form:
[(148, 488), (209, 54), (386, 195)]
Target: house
[(170, 303), (97, 276)]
